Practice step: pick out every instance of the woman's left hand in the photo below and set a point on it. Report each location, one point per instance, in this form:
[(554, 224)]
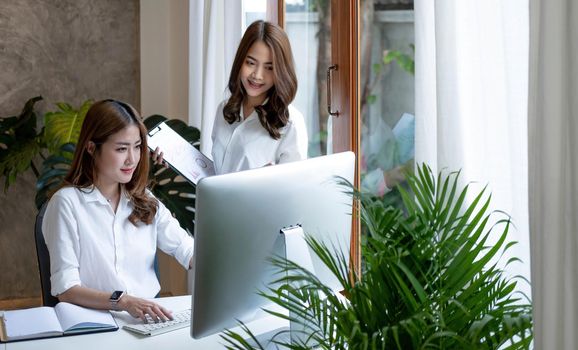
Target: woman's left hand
[(157, 157)]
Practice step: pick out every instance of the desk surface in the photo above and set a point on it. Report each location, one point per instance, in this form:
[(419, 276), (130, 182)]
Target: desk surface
[(122, 339)]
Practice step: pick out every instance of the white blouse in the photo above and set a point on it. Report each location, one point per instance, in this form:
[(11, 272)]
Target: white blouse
[(90, 245), (246, 144)]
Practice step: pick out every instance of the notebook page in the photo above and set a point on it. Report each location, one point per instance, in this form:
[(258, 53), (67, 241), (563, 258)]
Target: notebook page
[(74, 317), (29, 322)]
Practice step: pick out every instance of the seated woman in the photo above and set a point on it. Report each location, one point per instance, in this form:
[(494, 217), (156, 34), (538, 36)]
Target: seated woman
[(103, 227)]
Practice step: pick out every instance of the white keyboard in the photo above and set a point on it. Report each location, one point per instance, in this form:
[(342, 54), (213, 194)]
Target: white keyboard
[(180, 320)]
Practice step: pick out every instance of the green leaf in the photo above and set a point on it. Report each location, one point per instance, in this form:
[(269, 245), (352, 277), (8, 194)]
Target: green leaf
[(19, 144), (371, 99), (54, 169), (18, 159), (63, 126)]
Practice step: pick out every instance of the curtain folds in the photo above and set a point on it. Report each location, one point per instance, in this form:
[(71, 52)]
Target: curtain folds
[(471, 102), (215, 31), (553, 171)]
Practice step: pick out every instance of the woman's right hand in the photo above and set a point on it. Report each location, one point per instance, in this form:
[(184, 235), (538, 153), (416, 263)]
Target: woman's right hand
[(157, 157), (139, 308)]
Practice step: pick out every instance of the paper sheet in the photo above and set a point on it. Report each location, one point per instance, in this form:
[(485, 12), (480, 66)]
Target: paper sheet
[(181, 155)]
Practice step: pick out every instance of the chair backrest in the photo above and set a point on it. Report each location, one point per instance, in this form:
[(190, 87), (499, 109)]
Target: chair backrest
[(43, 260)]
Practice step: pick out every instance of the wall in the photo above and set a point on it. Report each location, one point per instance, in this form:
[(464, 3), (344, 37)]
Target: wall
[(164, 52), (164, 71), (65, 50)]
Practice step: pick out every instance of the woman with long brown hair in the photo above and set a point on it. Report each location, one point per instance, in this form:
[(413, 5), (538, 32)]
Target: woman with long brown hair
[(256, 125), (103, 227)]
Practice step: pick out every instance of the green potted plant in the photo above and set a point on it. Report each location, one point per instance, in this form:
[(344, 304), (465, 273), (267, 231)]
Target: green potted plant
[(429, 279)]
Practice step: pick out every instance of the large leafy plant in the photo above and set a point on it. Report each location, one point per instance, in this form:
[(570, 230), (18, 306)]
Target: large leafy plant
[(20, 143), (430, 279), (23, 143)]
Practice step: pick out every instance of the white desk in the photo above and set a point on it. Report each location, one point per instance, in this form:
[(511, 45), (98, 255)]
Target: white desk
[(122, 339)]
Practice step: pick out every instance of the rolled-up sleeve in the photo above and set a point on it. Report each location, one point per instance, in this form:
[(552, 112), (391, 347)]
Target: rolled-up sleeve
[(60, 232), (172, 238)]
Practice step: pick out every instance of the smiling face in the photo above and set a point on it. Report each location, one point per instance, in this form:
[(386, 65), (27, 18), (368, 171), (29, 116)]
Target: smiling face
[(257, 73), (118, 157)]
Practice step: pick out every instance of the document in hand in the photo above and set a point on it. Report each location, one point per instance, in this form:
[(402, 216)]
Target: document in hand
[(61, 320), (180, 154)]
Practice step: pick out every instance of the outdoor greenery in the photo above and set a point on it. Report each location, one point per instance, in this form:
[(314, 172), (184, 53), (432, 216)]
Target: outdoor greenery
[(430, 279), (23, 144)]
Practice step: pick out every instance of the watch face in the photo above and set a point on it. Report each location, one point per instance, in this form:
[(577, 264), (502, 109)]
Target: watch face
[(116, 295)]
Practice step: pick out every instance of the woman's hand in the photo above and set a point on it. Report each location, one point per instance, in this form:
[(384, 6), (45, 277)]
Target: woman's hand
[(157, 157), (139, 308)]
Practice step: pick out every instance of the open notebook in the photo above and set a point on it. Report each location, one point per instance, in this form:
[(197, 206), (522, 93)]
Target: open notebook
[(45, 322)]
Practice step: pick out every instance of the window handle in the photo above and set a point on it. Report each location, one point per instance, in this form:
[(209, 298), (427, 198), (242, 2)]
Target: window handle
[(331, 113)]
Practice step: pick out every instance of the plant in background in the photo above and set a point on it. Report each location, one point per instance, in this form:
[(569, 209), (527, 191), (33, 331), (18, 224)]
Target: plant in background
[(403, 60), (20, 143), (429, 279), (61, 132)]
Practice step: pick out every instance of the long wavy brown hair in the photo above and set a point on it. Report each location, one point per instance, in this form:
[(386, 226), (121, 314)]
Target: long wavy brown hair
[(103, 119), (274, 114)]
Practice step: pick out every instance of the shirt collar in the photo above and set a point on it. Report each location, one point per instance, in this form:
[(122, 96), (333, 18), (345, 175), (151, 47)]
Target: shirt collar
[(93, 194), (254, 113)]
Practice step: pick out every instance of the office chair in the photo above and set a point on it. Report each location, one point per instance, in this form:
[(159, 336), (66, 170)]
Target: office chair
[(43, 260)]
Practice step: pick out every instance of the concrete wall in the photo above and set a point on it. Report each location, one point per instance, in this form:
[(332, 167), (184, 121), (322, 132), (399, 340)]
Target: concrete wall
[(164, 52), (64, 50)]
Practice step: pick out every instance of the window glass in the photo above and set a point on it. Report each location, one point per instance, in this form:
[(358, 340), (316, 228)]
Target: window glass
[(253, 10), (308, 25), (387, 95)]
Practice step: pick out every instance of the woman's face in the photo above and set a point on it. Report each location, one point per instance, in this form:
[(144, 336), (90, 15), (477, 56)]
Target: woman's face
[(119, 156), (257, 72)]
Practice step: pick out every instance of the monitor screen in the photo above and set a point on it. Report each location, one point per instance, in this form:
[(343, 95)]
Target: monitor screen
[(238, 221)]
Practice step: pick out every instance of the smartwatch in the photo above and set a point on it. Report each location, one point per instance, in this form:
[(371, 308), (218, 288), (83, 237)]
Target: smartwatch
[(115, 298)]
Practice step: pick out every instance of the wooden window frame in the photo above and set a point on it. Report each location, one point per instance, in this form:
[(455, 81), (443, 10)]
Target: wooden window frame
[(345, 97)]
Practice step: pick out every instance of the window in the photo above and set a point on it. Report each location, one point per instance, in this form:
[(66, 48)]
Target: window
[(386, 95), (371, 88)]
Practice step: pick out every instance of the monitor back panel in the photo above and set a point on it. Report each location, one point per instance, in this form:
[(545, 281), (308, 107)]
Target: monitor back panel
[(238, 221)]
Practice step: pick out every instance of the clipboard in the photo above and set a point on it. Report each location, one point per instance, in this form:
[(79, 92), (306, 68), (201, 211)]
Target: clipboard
[(182, 156)]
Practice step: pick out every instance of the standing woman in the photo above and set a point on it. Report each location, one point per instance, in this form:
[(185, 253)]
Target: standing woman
[(103, 227), (256, 125)]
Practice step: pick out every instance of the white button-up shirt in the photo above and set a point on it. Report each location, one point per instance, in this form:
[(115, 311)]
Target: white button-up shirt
[(91, 246), (246, 144)]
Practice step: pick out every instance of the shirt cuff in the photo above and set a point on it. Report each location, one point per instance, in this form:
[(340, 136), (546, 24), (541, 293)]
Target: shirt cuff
[(63, 281), (184, 253)]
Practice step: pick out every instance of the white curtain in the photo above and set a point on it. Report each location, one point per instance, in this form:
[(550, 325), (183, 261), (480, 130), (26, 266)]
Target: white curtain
[(553, 171), (215, 31), (471, 102)]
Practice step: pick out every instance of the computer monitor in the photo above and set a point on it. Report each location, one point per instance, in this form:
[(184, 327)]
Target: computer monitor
[(237, 229)]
